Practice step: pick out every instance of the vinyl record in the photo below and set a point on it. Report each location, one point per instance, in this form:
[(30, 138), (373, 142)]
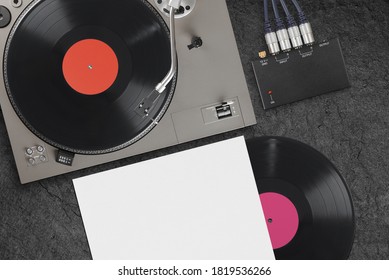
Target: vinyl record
[(77, 70), (307, 205)]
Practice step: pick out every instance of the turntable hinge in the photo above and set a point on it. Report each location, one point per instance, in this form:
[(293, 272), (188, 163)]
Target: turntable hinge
[(148, 104)]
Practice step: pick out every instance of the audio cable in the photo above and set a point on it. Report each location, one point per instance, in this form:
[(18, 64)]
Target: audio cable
[(305, 26), (293, 29), (270, 35), (282, 33), (293, 34)]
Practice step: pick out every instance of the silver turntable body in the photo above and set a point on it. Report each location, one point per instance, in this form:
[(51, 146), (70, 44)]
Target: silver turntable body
[(211, 95)]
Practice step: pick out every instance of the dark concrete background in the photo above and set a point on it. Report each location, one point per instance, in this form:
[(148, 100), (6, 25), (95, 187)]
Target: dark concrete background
[(42, 220)]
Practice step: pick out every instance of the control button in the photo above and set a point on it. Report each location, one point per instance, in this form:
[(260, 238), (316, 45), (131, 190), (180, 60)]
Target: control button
[(29, 151), (227, 111), (5, 17), (36, 155), (197, 42), (224, 111), (40, 149)]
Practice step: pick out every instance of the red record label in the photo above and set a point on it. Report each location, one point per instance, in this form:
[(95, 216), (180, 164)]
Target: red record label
[(90, 67)]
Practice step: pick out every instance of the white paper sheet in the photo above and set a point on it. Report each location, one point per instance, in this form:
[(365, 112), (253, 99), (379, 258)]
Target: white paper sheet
[(200, 204)]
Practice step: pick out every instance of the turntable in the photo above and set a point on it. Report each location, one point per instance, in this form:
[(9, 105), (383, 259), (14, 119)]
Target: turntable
[(81, 79)]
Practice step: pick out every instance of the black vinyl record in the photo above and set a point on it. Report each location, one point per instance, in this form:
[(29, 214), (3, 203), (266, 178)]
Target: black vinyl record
[(135, 39), (303, 176)]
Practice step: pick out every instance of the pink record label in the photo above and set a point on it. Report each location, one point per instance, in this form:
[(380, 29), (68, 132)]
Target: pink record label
[(281, 217)]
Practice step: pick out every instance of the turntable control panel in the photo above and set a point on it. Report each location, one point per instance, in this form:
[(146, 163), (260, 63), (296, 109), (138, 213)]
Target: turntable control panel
[(36, 155), (225, 110)]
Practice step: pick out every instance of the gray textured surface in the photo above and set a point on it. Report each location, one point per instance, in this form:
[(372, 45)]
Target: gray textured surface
[(42, 220)]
